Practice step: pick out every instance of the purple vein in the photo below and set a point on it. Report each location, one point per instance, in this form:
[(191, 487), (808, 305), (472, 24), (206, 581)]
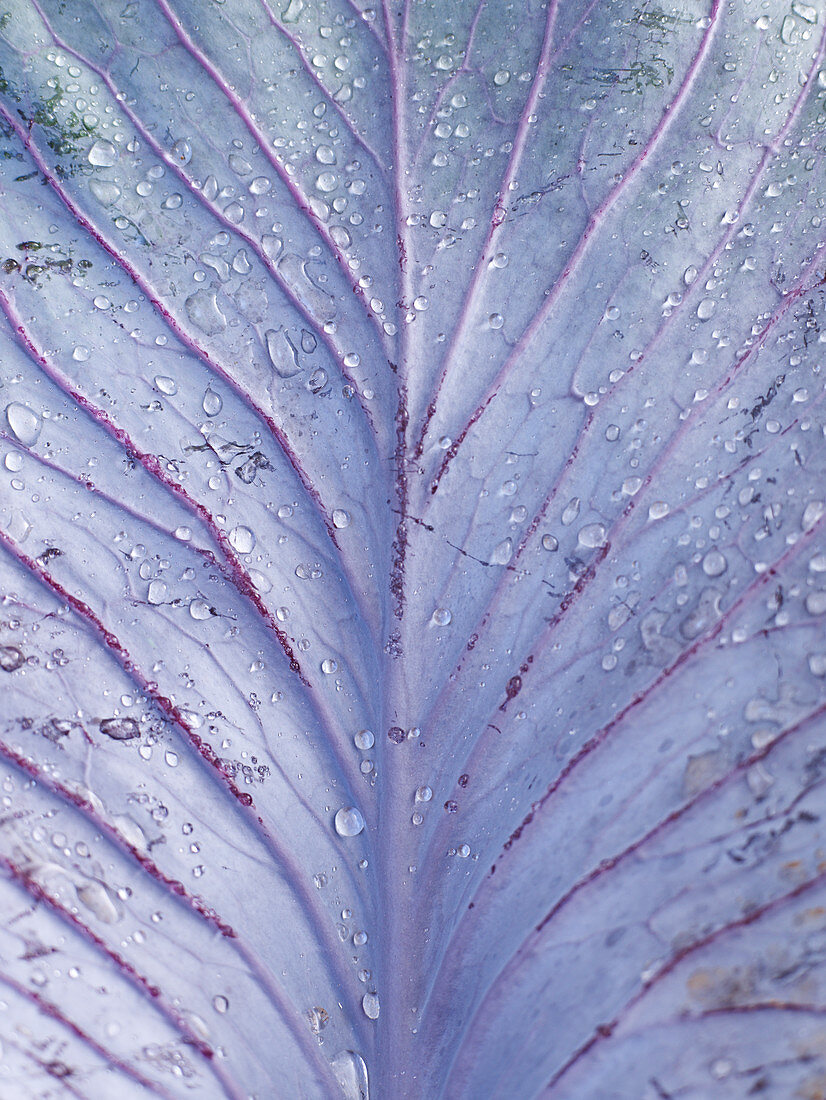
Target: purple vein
[(584, 753), (499, 213), (594, 224), (606, 1030), (610, 863), (294, 874), (140, 281), (461, 71), (245, 115), (176, 168), (314, 77), (800, 288), (231, 566), (49, 1009), (24, 880), (276, 432), (293, 1020)]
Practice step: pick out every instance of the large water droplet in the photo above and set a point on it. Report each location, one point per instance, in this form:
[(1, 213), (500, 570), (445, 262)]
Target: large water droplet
[(105, 193), (351, 1073), (370, 1004), (242, 539), (24, 423), (592, 536), (282, 353), (364, 740), (202, 310), (103, 154), (348, 821)]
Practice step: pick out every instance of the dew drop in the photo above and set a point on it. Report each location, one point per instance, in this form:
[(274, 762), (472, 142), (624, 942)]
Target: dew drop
[(592, 536), (714, 563), (341, 518), (212, 403), (182, 151), (25, 424), (103, 154), (370, 1004), (242, 540), (364, 740), (348, 821), (441, 616)]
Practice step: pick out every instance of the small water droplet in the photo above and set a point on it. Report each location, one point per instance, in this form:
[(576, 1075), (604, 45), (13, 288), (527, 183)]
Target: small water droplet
[(182, 151), (341, 518), (370, 1004), (714, 563), (441, 616), (212, 403)]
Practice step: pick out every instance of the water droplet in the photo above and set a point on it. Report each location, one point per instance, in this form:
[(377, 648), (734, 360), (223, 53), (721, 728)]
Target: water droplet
[(282, 354), (203, 311), (327, 182), (81, 353), (212, 403), (103, 154), (805, 11), (658, 510), (329, 666), (550, 543), (502, 552), (396, 734), (370, 1004), (105, 193), (10, 658), (242, 539), (348, 821), (714, 563), (166, 385), (182, 151), (571, 511), (592, 536), (706, 308), (811, 514), (220, 1004), (25, 424), (239, 165), (95, 897), (501, 77), (349, 1068), (157, 592), (341, 518), (364, 740), (441, 616), (423, 794)]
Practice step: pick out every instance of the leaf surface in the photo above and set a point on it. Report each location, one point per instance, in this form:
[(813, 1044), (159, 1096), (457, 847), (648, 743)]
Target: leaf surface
[(411, 549)]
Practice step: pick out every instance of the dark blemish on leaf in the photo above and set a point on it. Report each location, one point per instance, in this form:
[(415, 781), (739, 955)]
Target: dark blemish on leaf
[(396, 734), (120, 729)]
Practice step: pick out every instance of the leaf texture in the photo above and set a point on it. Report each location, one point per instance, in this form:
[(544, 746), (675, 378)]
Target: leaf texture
[(412, 549)]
